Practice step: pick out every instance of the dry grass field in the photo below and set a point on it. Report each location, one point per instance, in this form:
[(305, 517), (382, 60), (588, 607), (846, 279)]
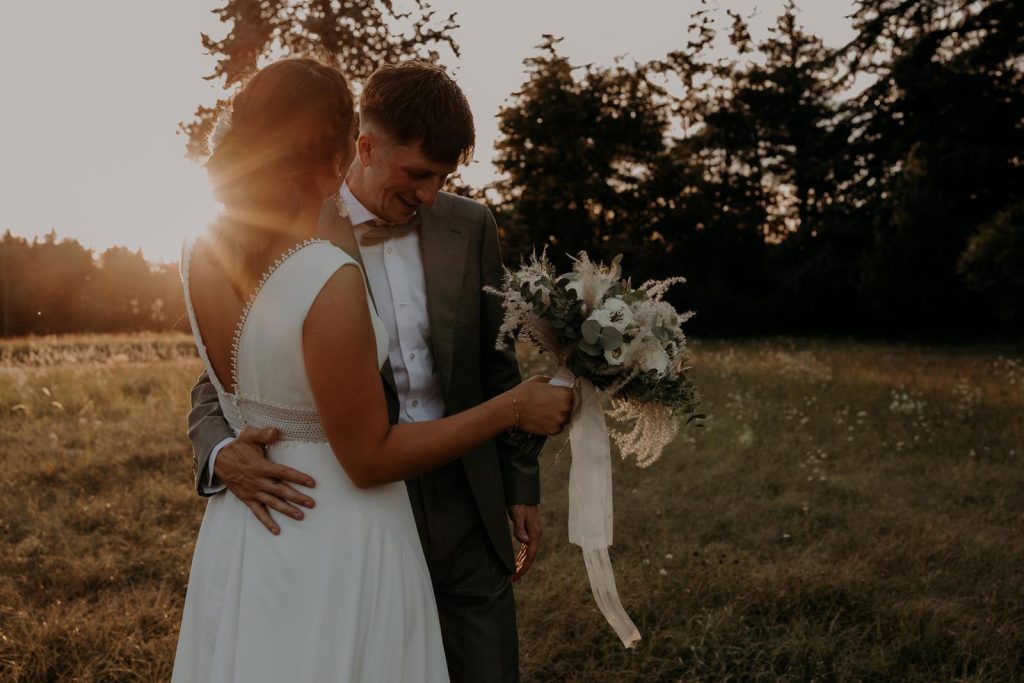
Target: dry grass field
[(850, 512)]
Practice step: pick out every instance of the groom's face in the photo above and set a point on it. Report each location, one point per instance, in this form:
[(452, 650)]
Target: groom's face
[(399, 179)]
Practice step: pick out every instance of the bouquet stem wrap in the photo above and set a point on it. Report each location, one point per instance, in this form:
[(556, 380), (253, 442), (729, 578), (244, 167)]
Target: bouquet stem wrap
[(590, 501)]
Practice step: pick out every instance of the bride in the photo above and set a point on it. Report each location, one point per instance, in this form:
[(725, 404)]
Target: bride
[(287, 333)]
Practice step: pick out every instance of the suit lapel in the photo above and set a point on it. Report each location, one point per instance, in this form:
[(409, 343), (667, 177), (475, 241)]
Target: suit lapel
[(338, 229), (443, 245)]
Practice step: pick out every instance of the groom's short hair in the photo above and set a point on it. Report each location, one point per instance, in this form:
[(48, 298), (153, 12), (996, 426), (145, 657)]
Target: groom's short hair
[(417, 103)]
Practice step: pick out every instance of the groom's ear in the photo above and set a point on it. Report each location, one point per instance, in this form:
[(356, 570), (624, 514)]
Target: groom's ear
[(364, 147)]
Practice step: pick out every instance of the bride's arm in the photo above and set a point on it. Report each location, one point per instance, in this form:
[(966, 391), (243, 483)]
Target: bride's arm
[(341, 363)]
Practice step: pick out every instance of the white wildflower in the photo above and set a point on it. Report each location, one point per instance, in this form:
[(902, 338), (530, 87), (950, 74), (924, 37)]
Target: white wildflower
[(906, 402)]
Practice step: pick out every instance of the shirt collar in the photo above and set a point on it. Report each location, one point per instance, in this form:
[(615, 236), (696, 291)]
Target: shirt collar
[(357, 213)]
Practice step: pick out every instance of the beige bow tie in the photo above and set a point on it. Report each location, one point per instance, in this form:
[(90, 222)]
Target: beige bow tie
[(382, 232)]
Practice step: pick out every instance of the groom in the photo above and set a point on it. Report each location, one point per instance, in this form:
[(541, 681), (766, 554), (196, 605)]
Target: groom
[(427, 255)]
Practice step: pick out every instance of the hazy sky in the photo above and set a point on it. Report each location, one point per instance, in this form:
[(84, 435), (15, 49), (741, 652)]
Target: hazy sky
[(92, 93)]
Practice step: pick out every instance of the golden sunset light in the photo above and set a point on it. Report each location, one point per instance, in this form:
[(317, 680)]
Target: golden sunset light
[(540, 341)]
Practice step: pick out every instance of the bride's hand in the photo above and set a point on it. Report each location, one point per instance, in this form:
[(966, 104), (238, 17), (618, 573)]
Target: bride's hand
[(543, 408)]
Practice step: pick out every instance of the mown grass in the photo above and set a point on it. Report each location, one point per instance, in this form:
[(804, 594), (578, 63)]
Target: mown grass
[(849, 512)]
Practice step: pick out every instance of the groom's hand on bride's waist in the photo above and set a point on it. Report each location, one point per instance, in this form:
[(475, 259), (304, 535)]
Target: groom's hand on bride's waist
[(262, 485)]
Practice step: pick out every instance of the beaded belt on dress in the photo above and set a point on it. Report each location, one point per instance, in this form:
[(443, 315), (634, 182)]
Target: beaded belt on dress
[(292, 423)]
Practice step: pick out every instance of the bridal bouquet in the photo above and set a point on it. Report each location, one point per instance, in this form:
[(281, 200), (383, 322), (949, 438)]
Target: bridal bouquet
[(626, 342)]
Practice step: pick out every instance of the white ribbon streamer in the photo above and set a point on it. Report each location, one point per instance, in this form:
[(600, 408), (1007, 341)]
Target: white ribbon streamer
[(590, 501)]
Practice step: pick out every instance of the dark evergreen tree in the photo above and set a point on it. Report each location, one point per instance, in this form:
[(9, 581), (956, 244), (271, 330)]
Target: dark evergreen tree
[(936, 142), (360, 34), (579, 148)]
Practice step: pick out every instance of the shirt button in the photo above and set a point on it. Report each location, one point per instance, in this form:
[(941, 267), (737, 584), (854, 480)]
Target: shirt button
[(403, 304), (415, 403), (389, 250), (412, 356)]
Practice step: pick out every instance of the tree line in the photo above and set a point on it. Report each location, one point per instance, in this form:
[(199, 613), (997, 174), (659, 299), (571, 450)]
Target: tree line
[(872, 188), (51, 286), (875, 187)]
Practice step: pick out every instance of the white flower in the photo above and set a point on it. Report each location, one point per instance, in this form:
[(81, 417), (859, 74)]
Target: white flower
[(614, 313), (654, 358), (646, 354), (615, 356)]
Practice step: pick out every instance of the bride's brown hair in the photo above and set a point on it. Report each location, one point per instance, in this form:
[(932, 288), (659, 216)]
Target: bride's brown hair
[(287, 124)]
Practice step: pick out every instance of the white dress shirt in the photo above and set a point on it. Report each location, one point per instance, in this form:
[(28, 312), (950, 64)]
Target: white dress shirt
[(394, 270)]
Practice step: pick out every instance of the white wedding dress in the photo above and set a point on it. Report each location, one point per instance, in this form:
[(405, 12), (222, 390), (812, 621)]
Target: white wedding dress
[(342, 595)]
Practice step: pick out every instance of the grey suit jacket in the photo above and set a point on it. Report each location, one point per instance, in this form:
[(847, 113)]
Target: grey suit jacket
[(459, 242)]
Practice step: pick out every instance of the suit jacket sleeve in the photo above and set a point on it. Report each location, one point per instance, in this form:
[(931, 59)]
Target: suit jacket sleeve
[(206, 427), (518, 453)]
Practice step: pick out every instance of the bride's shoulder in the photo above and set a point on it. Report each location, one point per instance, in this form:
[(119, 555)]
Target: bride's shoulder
[(326, 252), (321, 273), (316, 261)]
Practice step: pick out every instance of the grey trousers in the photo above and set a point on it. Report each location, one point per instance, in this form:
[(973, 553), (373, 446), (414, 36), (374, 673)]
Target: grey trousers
[(472, 586)]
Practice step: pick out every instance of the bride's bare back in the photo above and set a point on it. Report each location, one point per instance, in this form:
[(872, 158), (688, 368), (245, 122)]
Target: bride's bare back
[(217, 307)]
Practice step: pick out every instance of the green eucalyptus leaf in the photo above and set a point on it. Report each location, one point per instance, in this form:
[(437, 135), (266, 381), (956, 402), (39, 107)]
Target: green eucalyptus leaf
[(611, 338), (590, 349), (591, 330)]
